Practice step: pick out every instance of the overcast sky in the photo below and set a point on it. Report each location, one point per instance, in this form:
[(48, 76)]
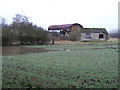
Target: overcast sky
[(89, 13)]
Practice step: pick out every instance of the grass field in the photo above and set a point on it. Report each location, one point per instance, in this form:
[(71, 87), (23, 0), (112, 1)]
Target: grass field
[(70, 66)]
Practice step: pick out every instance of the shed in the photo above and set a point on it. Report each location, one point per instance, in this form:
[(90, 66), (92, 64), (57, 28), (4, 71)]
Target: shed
[(94, 34)]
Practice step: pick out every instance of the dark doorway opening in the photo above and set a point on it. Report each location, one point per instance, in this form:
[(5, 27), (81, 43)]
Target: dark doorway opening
[(101, 36)]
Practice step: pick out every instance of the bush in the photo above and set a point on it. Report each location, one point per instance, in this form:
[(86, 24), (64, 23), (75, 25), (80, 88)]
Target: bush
[(75, 36)]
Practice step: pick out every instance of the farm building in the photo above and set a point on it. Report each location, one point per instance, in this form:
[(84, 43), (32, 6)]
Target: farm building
[(83, 34), (94, 34)]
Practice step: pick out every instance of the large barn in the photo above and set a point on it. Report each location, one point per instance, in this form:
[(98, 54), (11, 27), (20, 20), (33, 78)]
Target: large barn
[(85, 34)]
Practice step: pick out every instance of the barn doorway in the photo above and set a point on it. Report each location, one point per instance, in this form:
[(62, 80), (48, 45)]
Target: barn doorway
[(101, 35)]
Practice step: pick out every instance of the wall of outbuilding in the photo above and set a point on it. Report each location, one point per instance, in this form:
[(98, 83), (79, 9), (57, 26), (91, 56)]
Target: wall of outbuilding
[(94, 37)]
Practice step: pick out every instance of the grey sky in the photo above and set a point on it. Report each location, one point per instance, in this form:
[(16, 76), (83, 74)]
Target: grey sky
[(89, 13)]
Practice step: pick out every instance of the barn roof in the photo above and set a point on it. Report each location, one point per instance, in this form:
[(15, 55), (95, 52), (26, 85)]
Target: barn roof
[(63, 26), (94, 30)]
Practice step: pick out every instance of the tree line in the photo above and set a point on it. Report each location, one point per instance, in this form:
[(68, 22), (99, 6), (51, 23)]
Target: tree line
[(115, 33), (22, 32)]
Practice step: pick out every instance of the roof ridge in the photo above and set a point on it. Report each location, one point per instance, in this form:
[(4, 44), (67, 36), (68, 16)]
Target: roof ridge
[(94, 28)]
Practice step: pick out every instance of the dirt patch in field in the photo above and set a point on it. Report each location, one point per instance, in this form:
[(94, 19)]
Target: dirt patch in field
[(17, 50)]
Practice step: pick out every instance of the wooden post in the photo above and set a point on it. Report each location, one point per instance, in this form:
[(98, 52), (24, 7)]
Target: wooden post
[(53, 41)]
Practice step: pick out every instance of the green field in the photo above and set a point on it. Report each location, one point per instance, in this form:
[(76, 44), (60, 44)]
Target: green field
[(71, 66)]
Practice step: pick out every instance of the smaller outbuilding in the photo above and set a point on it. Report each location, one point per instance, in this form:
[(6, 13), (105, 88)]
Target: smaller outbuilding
[(94, 34)]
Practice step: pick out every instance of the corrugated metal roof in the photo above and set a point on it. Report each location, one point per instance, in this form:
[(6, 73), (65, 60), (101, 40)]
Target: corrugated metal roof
[(63, 26), (83, 30)]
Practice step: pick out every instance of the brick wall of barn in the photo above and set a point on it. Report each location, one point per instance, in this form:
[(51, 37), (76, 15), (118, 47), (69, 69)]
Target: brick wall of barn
[(76, 29)]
